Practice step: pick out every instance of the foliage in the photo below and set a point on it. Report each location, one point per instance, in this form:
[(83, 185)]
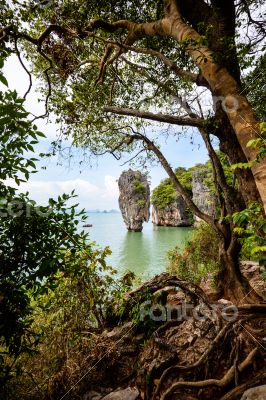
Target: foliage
[(139, 187), (256, 84), (33, 239), (164, 194), (17, 137), (75, 97), (259, 144), (87, 297), (199, 257), (141, 202), (250, 226), (49, 272)]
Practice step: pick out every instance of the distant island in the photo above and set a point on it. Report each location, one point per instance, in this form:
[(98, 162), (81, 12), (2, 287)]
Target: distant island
[(112, 211)]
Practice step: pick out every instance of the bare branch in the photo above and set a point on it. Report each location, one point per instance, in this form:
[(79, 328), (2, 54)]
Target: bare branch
[(178, 186), (191, 76), (25, 69), (51, 28), (46, 73), (169, 119)]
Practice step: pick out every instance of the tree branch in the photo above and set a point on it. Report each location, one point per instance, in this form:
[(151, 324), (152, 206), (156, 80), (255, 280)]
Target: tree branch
[(197, 78), (169, 119), (142, 70), (178, 186)]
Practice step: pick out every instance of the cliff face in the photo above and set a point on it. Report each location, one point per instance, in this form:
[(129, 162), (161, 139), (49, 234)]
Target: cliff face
[(202, 195), (174, 214), (134, 199)]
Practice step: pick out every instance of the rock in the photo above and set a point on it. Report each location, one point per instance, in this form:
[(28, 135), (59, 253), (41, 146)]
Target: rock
[(257, 393), (225, 302), (209, 289), (134, 199), (174, 214), (92, 396), (202, 196), (125, 394), (252, 271), (120, 331)]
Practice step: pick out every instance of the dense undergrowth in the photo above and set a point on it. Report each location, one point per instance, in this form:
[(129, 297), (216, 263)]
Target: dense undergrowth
[(87, 298), (199, 257)]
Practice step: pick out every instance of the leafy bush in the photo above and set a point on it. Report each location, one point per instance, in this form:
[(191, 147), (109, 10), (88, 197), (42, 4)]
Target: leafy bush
[(33, 240), (164, 194), (199, 257), (87, 297), (54, 286), (139, 187), (250, 226)]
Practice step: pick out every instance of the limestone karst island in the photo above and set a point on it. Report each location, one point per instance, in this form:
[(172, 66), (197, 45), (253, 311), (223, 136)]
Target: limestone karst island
[(132, 200)]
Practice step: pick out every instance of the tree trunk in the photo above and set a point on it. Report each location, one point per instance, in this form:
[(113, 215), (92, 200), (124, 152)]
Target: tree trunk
[(230, 146), (224, 87), (231, 283)]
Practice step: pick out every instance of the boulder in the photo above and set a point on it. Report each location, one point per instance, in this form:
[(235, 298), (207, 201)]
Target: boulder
[(134, 199), (256, 393), (125, 394), (253, 272)]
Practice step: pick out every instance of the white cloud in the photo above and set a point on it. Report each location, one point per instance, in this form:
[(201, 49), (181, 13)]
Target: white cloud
[(111, 187), (89, 195)]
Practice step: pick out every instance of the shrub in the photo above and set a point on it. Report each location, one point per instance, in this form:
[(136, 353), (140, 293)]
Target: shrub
[(164, 194), (139, 187), (87, 297), (251, 228), (199, 257)]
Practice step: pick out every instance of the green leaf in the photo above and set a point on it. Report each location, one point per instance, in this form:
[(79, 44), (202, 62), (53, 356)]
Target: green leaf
[(3, 80), (258, 249)]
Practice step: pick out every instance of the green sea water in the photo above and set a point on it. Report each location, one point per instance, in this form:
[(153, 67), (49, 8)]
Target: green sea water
[(144, 252)]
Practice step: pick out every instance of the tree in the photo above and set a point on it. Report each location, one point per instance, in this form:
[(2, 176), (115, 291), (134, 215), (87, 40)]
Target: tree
[(157, 61), (33, 239)]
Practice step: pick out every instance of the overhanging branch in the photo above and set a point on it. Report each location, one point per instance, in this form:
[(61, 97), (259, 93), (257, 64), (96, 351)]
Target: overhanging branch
[(169, 119)]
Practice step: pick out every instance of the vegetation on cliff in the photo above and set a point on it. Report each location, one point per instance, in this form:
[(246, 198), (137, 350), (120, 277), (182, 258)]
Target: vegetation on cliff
[(165, 193)]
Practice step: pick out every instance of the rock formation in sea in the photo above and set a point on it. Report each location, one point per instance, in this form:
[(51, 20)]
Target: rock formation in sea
[(202, 195), (134, 199), (172, 214), (169, 208)]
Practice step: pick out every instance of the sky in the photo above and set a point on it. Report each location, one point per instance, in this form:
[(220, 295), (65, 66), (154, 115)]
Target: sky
[(95, 182)]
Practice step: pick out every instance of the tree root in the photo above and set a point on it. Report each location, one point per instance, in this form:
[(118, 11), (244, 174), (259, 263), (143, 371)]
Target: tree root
[(227, 378), (195, 293), (224, 331), (239, 390)]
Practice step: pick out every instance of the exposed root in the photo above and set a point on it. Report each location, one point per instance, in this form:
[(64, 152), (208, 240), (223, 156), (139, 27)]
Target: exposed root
[(177, 368), (188, 357), (227, 378), (239, 390)]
